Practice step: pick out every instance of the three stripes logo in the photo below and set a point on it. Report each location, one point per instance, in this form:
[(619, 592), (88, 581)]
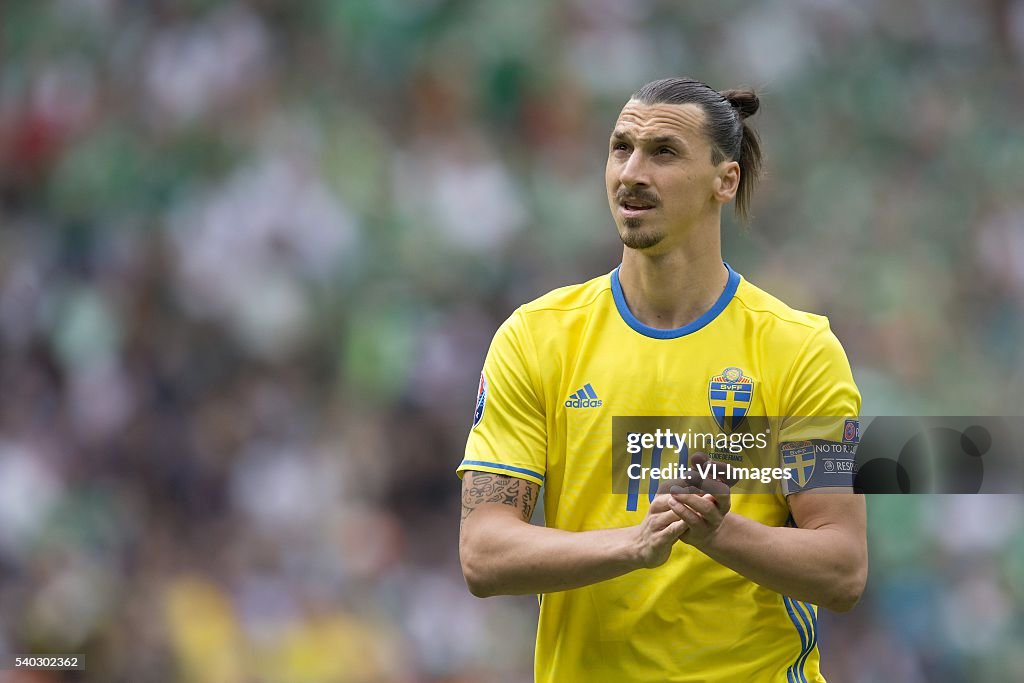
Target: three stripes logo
[(584, 398)]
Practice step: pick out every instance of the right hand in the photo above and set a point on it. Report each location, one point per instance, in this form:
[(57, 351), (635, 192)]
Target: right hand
[(658, 532)]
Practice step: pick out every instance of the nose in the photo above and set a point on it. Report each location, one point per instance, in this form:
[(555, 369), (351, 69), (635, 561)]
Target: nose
[(633, 172)]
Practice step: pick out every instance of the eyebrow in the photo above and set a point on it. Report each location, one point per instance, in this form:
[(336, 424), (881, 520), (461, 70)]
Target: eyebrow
[(658, 140)]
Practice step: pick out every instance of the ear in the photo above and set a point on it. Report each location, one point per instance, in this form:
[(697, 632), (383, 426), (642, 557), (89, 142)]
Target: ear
[(727, 181)]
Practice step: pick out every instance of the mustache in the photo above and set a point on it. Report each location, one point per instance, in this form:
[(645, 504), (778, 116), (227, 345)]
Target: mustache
[(640, 197)]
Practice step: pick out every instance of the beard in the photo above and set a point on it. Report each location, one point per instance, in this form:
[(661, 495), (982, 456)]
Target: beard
[(635, 237)]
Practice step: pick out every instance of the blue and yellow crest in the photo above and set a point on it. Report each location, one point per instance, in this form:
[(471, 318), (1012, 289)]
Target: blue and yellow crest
[(730, 395), (799, 457)]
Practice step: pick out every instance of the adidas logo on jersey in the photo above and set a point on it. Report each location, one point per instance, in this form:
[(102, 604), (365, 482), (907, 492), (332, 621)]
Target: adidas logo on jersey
[(584, 398)]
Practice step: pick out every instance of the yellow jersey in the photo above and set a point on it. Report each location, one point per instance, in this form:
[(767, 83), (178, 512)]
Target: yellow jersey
[(561, 368)]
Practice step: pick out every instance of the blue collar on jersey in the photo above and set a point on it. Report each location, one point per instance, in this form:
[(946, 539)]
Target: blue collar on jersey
[(654, 332)]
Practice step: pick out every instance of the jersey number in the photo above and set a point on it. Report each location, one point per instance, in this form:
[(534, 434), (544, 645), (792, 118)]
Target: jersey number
[(636, 462)]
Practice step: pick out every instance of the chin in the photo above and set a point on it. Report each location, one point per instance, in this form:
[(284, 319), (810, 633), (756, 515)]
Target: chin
[(636, 238)]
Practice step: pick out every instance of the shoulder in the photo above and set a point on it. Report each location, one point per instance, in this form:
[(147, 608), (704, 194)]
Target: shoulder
[(561, 309), (802, 343), (554, 314), (569, 298), (773, 310), (781, 324), (807, 361)]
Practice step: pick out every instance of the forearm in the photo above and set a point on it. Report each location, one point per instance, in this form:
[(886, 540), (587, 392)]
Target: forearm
[(821, 566), (506, 556)]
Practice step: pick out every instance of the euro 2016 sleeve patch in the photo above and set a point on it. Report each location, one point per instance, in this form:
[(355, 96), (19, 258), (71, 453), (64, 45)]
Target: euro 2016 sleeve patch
[(481, 400), (817, 464), (851, 431)]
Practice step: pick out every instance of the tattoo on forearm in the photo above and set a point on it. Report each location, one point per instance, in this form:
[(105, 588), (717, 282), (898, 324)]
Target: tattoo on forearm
[(484, 487), (529, 500)]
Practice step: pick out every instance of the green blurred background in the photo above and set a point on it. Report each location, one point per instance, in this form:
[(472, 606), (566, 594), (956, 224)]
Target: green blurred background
[(252, 254)]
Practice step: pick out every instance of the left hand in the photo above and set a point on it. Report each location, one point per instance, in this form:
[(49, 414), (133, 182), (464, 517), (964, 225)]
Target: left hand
[(703, 507)]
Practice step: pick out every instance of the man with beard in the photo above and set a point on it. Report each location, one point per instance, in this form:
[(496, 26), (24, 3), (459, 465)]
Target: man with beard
[(682, 584)]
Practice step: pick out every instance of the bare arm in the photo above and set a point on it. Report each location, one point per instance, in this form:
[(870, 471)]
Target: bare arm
[(824, 560), (503, 554)]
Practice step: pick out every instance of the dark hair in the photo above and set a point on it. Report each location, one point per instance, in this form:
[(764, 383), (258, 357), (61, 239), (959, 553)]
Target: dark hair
[(731, 137)]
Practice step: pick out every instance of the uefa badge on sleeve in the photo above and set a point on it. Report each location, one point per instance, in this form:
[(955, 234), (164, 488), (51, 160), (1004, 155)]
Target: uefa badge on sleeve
[(481, 400), (851, 431)]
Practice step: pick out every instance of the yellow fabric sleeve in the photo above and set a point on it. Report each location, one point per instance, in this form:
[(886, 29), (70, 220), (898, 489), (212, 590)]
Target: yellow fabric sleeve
[(509, 435)]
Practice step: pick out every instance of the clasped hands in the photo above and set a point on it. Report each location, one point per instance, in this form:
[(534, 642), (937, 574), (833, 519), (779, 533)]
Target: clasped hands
[(702, 504), (689, 510)]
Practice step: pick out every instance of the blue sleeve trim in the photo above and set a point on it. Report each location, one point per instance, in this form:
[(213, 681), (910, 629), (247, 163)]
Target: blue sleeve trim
[(814, 633), (510, 468), (807, 629), (655, 333)]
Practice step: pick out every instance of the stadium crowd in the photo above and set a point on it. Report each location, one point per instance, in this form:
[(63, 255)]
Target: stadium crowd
[(252, 254)]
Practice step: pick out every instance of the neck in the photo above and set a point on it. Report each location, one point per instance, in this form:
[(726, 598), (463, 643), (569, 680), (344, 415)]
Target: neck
[(672, 289)]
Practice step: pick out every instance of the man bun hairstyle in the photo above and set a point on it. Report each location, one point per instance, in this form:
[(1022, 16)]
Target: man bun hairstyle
[(726, 113)]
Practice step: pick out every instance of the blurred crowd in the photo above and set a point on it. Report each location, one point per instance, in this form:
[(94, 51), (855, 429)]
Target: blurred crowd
[(252, 254)]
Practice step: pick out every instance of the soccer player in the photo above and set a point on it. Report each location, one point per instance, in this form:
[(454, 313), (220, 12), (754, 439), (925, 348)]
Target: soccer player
[(682, 584)]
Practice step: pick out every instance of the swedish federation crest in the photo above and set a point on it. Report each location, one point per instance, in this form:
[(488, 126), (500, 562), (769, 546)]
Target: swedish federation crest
[(799, 457), (730, 395)]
